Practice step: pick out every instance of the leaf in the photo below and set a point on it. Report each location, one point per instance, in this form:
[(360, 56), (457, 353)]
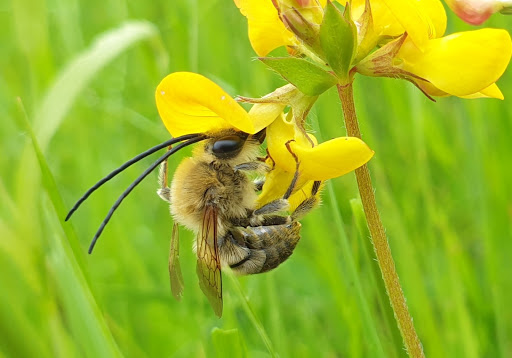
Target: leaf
[(309, 78), (338, 38)]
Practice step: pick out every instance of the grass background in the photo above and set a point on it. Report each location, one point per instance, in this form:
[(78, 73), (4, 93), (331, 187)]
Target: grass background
[(86, 71)]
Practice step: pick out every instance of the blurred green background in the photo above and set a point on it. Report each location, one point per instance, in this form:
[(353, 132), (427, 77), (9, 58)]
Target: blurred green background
[(86, 71)]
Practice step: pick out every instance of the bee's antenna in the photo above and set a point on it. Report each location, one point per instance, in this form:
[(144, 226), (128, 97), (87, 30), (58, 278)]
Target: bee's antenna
[(126, 165), (197, 138)]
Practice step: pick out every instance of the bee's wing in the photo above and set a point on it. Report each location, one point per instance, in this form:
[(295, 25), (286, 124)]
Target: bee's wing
[(208, 260), (174, 264)]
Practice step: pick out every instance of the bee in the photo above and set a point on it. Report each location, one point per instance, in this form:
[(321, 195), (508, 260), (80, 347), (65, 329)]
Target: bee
[(212, 195)]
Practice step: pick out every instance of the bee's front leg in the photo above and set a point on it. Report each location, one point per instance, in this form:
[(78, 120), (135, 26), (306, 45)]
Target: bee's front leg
[(255, 166)]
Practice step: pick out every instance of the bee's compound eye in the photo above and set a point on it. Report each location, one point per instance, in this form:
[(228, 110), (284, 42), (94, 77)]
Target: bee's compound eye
[(228, 146)]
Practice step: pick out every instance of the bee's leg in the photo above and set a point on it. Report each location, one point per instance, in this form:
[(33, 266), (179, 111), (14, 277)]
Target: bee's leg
[(255, 166), (308, 204), (262, 216), (274, 206), (282, 204), (289, 191), (258, 184), (164, 192), (270, 220)]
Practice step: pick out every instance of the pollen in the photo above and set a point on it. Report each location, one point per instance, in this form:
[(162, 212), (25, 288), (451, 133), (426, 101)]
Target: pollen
[(162, 92), (223, 98)]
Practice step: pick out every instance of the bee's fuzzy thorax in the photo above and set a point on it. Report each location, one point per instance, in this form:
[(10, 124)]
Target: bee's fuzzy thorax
[(204, 179)]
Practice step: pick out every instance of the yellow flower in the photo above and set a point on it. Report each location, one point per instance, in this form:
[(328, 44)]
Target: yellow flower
[(465, 64), (190, 103), (317, 162)]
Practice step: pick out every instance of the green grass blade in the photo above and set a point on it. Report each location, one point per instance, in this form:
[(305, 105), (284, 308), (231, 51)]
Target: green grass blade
[(73, 286), (16, 328), (77, 74)]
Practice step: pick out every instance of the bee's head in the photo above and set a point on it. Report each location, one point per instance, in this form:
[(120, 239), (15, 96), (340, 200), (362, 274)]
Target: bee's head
[(231, 144)]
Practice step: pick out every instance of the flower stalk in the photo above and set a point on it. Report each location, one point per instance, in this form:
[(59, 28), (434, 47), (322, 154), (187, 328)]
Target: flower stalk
[(378, 235)]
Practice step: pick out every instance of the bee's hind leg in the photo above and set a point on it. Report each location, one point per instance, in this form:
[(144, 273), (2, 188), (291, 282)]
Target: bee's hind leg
[(264, 215), (274, 206), (300, 211), (308, 204), (164, 191)]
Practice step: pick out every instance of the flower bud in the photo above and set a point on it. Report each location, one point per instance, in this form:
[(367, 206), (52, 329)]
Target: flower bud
[(302, 18), (301, 27), (475, 12)]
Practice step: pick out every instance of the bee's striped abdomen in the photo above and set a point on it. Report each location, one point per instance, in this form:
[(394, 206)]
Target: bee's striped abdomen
[(259, 249)]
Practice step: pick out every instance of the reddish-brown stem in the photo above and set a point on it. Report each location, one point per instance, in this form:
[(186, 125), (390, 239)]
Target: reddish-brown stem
[(378, 235)]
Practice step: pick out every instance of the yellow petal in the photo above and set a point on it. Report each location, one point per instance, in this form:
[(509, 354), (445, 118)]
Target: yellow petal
[(427, 19), (278, 134), (277, 182), (191, 103), (411, 19), (262, 114), (384, 22), (490, 92), (430, 89), (266, 31), (435, 17), (333, 158), (422, 20), (460, 64)]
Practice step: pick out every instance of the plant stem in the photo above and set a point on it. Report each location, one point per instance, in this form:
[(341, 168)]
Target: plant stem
[(378, 235)]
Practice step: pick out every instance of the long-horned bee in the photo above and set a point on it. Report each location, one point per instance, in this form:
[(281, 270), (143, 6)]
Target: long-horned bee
[(212, 195)]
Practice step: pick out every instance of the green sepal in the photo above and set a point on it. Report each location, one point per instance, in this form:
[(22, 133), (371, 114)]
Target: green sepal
[(309, 78), (338, 38)]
